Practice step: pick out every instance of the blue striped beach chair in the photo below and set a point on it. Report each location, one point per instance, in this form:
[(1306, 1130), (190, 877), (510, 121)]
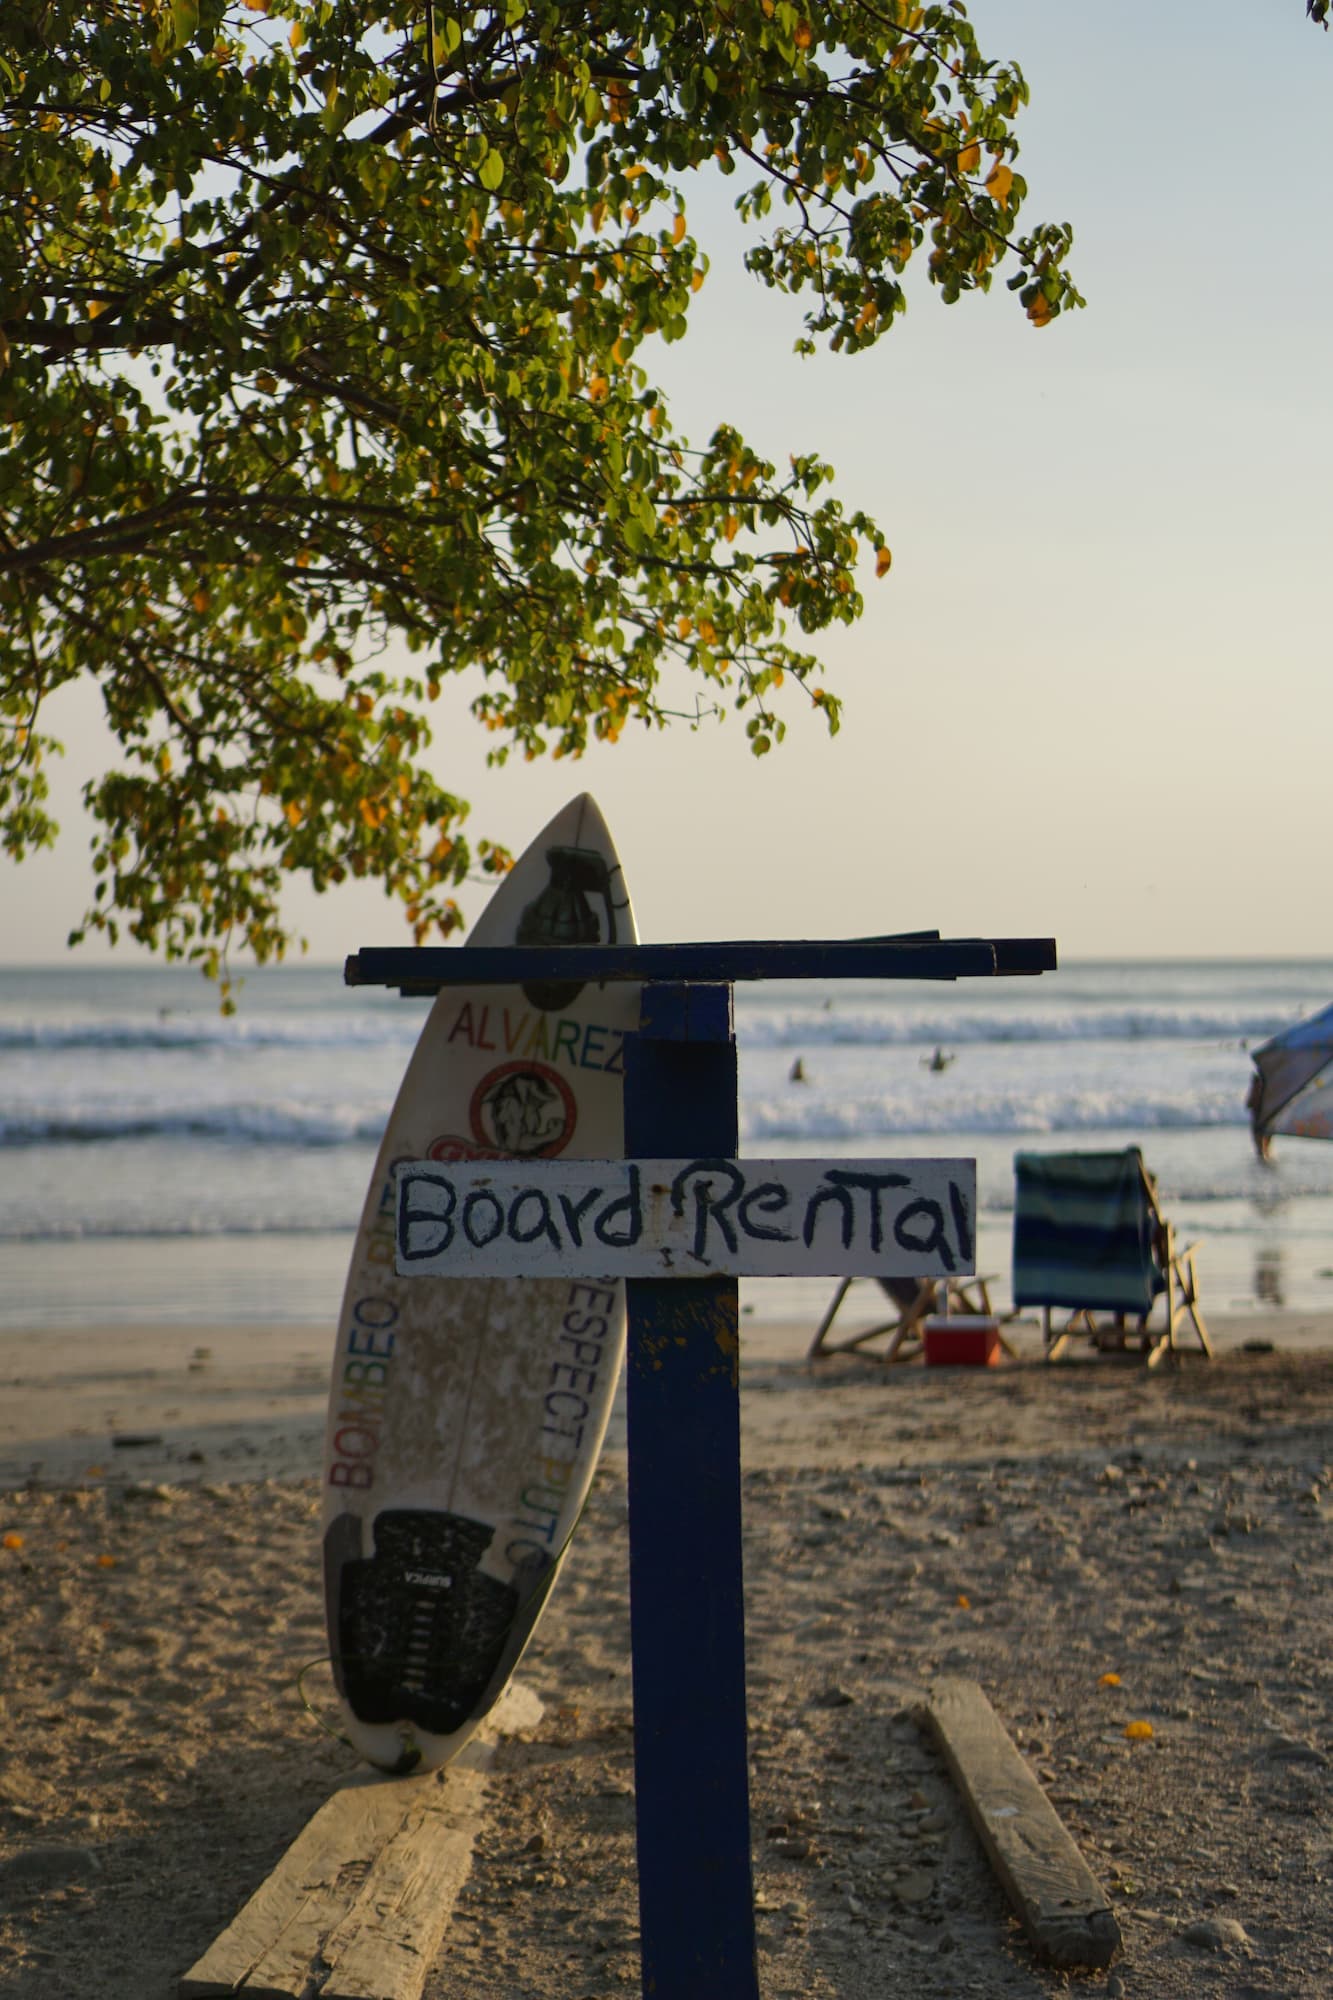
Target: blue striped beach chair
[(1090, 1238)]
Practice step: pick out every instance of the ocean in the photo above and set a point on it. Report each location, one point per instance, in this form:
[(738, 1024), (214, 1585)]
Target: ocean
[(160, 1163)]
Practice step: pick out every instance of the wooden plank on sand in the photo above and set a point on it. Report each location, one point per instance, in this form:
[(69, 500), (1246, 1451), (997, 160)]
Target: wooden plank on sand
[(1063, 1907), (356, 1908)]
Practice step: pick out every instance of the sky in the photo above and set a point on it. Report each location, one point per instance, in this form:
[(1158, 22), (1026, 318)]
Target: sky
[(1092, 700)]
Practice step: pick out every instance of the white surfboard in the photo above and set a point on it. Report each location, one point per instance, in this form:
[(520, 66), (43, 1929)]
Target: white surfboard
[(466, 1415)]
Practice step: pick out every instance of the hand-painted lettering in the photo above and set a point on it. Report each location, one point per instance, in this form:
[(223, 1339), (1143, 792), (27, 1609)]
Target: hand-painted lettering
[(425, 1215), (574, 1212), (539, 1222), (961, 1223), (701, 1177), (483, 1218), (540, 1217), (841, 1183), (770, 1198), (932, 1239), (627, 1211)]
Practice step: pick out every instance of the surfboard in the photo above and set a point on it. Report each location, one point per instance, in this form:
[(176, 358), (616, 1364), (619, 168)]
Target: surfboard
[(466, 1416)]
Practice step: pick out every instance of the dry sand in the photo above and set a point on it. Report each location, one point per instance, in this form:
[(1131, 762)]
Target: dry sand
[(1034, 1528)]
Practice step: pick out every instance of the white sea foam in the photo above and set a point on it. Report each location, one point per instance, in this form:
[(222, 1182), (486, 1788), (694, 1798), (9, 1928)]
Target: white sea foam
[(131, 1110)]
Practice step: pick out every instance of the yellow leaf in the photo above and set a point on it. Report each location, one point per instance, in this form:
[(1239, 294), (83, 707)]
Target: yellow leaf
[(969, 159), (964, 1602), (1109, 1681), (13, 1541), (106, 1562), (883, 561), (201, 601), (999, 181), (730, 527), (293, 813), (265, 382), (1138, 1732), (97, 306), (696, 280), (678, 227), (804, 36), (1039, 312)]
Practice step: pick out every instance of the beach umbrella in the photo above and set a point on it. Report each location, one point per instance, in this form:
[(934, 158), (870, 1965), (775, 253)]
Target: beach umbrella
[(1292, 1087)]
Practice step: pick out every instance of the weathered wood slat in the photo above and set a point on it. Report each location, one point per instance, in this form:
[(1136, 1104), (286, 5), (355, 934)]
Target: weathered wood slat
[(394, 1933), (356, 1908), (685, 1217), (1063, 1907)]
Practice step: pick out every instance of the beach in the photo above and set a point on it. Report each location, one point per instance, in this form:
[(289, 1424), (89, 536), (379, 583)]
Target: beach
[(1094, 1545)]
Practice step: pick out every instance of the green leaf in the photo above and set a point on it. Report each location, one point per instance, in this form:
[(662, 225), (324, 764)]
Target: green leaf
[(352, 383)]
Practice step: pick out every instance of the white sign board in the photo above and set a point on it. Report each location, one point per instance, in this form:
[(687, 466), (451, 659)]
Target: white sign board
[(686, 1218)]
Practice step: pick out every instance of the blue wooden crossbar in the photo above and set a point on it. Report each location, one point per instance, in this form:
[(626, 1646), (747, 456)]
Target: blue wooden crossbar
[(425, 968)]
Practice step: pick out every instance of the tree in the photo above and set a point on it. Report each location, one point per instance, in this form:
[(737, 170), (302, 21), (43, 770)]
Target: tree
[(324, 323)]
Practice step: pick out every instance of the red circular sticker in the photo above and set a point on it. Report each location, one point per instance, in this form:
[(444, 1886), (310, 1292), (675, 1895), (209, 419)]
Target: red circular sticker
[(524, 1109)]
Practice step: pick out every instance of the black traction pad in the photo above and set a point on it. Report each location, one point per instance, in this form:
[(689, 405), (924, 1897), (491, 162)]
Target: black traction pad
[(418, 1630)]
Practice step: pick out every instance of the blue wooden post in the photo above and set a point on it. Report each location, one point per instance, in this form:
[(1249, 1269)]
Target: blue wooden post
[(687, 1618)]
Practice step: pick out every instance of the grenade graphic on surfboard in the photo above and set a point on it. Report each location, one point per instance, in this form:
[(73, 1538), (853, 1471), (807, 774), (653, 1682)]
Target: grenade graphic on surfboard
[(563, 913)]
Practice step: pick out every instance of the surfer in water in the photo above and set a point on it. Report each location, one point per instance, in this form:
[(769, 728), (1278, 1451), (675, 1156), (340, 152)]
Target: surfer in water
[(937, 1061)]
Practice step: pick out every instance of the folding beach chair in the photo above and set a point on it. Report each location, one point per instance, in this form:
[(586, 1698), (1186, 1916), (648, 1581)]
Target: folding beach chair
[(914, 1300), (1090, 1237)]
